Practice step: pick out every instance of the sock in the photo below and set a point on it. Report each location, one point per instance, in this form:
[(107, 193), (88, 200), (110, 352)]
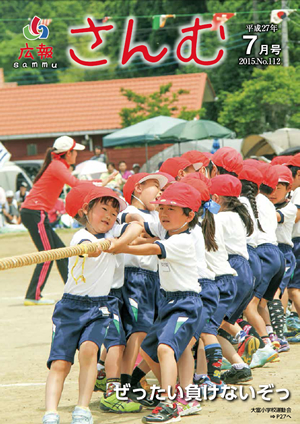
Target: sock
[(137, 375), (276, 311), (224, 334), (269, 329), (251, 332), (100, 365), (125, 379), (294, 315), (111, 383), (240, 366), (266, 340), (199, 376), (240, 336), (214, 357)]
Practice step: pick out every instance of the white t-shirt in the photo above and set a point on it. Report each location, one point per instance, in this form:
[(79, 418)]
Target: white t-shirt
[(92, 276), (234, 232), (158, 230), (296, 201), (218, 261), (251, 240), (285, 227), (268, 220), (145, 262)]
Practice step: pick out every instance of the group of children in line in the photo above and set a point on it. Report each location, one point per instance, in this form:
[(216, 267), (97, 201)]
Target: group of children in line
[(203, 255)]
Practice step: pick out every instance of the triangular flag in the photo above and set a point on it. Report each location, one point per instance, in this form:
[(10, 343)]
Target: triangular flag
[(159, 21), (4, 155), (46, 21), (277, 15), (220, 19)]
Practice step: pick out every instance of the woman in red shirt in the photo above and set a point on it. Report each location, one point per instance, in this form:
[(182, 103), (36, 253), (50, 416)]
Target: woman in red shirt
[(46, 189)]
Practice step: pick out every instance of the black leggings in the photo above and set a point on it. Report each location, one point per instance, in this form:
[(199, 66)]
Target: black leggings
[(45, 238)]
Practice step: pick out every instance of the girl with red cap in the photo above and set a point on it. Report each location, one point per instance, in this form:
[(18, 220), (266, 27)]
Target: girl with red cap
[(228, 161), (272, 260), (81, 318), (286, 214)]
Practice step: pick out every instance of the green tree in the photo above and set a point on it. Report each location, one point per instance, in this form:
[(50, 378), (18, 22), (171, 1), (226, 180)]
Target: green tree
[(161, 102), (268, 101)]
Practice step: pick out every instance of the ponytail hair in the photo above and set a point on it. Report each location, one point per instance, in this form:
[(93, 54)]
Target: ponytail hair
[(250, 191), (47, 161), (208, 229), (232, 204)]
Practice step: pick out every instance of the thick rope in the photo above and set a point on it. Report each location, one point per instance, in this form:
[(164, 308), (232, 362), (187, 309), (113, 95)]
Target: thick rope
[(52, 255)]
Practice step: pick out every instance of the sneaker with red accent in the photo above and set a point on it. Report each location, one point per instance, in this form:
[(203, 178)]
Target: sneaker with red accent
[(100, 384), (247, 348), (187, 407), (163, 413)]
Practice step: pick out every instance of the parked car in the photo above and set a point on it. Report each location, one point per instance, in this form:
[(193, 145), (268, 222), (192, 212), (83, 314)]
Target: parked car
[(31, 167), (11, 177)]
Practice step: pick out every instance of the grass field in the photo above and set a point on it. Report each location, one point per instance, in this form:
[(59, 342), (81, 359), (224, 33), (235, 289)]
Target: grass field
[(25, 344)]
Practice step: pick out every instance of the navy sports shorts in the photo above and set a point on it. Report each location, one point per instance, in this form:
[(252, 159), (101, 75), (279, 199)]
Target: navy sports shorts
[(178, 321), (210, 298), (290, 265), (227, 288), (255, 265), (141, 292), (77, 319), (272, 270), (245, 285), (295, 281), (115, 335)]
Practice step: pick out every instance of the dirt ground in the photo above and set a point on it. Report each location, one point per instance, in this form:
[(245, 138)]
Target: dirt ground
[(25, 344)]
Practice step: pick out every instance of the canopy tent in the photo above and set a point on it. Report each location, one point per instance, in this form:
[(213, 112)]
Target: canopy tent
[(270, 143), (196, 130), (142, 134)]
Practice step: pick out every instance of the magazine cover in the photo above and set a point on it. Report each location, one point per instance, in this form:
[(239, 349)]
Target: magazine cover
[(150, 151)]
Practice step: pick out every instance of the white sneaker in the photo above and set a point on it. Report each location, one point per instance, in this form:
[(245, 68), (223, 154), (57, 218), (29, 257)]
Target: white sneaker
[(262, 356), (51, 418), (82, 416), (42, 301)]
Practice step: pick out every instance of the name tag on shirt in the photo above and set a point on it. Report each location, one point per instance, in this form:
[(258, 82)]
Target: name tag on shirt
[(105, 311), (165, 267)]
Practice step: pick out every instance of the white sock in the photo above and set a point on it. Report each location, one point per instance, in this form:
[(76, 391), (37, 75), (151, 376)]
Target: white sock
[(269, 329), (100, 367), (240, 366), (198, 376)]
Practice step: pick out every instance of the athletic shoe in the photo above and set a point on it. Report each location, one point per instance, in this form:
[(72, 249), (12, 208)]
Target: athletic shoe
[(100, 384), (284, 346), (226, 365), (247, 348), (82, 416), (51, 418), (187, 408), (274, 340), (147, 402), (163, 413), (235, 376), (112, 404), (262, 356), (145, 385), (294, 339), (208, 387), (40, 302), (293, 324)]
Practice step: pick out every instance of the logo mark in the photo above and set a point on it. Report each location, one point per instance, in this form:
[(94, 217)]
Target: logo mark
[(35, 31)]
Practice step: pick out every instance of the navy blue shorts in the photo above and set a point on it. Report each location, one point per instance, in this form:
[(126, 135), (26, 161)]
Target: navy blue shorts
[(295, 281), (77, 319), (178, 321), (255, 265), (210, 298), (141, 292), (115, 335), (227, 288), (245, 286), (272, 270), (290, 265)]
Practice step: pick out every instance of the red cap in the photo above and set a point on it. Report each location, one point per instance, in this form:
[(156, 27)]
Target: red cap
[(208, 155), (252, 174), (98, 192), (196, 158), (75, 197), (195, 181), (270, 178), (284, 174), (225, 185), (295, 161), (182, 195), (229, 159), (168, 176), (281, 160), (173, 165), (135, 179)]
